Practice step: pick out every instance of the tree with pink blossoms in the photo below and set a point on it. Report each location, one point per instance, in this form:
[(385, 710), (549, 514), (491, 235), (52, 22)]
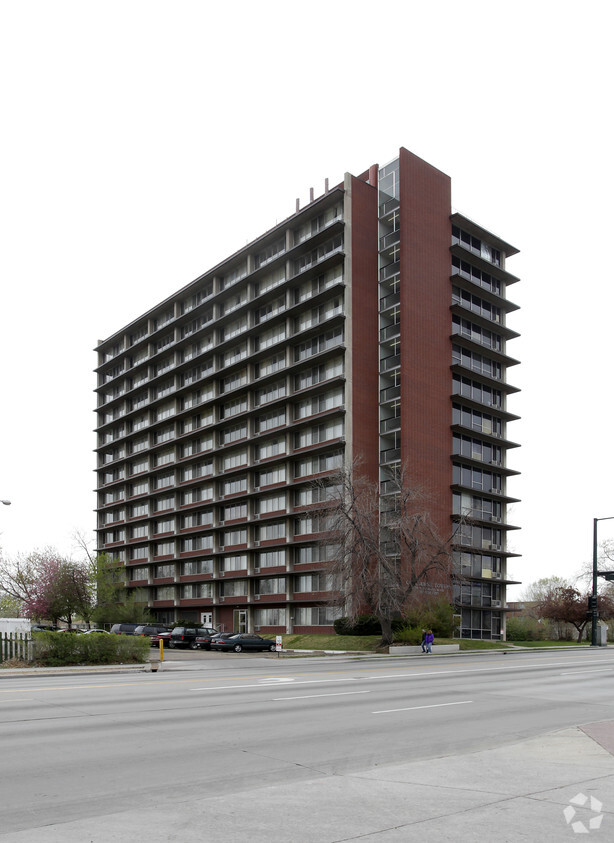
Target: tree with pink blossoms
[(49, 586)]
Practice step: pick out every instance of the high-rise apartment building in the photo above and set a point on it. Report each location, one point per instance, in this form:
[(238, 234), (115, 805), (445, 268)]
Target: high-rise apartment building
[(371, 324)]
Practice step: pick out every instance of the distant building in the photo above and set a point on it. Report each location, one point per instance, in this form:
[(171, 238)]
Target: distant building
[(372, 322)]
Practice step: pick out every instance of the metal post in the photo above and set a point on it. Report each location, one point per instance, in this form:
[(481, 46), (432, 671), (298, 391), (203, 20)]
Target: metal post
[(594, 616), (594, 612)]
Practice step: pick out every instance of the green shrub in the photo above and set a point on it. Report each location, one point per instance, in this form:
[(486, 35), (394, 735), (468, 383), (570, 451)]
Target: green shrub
[(53, 649), (437, 615), (363, 625), (408, 635), (524, 629)]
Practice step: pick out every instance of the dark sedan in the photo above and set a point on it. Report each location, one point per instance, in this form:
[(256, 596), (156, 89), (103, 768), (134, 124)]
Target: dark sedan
[(243, 642)]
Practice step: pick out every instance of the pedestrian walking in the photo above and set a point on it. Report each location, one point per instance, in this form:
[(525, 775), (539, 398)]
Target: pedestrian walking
[(424, 640), (428, 640)]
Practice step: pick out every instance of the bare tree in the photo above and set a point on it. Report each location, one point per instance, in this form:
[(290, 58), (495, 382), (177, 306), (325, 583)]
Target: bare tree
[(388, 552)]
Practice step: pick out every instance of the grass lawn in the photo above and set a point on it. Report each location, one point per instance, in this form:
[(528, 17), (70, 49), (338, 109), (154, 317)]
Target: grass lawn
[(368, 643)]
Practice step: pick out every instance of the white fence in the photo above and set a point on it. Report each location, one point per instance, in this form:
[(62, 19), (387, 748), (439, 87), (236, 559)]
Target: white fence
[(15, 645)]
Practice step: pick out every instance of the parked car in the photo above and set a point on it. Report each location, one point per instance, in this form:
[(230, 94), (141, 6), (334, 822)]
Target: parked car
[(185, 636), (124, 628), (151, 630), (72, 629), (88, 631), (203, 639), (163, 636), (41, 627), (247, 641)]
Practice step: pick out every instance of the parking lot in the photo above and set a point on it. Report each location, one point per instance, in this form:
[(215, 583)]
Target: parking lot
[(192, 655)]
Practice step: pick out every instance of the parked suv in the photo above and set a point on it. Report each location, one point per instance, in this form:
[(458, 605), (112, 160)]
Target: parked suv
[(185, 636), (124, 628), (151, 630)]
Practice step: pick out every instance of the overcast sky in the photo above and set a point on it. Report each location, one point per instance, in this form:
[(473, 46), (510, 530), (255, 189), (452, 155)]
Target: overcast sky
[(143, 142)]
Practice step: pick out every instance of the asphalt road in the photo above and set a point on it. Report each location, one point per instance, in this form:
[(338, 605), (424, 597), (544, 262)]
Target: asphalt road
[(84, 747)]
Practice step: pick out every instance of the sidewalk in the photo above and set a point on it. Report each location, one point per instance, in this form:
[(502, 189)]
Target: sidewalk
[(545, 789)]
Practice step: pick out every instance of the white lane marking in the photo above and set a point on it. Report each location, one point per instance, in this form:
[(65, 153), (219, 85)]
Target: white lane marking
[(296, 682), (313, 696), (593, 670), (17, 699), (276, 680), (467, 671), (416, 707)]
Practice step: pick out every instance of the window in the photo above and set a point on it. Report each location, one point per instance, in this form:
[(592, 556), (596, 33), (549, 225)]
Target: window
[(476, 391), (199, 493), (232, 408), (315, 553), (318, 433), (313, 582), (164, 525), (139, 531), (197, 543), (316, 616), (271, 559), (317, 374), (234, 275), (140, 488), (234, 433), (234, 486), (234, 511), (164, 480), (271, 448), (163, 434), (164, 502), (233, 563), (315, 404), (164, 549), (234, 328), (270, 365), (139, 573), (271, 392), (271, 503), (234, 537), (270, 252), (270, 309), (270, 476), (335, 244), (203, 518), (483, 422), (194, 590), (269, 421), (164, 571), (274, 335), (271, 531), (476, 449), (233, 302), (233, 588), (306, 525), (477, 362), (233, 355), (197, 566), (270, 617), (315, 494), (165, 457), (318, 344), (271, 279), (271, 585), (237, 379), (234, 460)]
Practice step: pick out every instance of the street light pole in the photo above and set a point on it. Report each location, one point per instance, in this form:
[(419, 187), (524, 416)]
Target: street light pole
[(594, 612)]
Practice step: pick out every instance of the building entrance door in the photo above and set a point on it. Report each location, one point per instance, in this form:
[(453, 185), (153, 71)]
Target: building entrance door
[(239, 623), (206, 619)]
